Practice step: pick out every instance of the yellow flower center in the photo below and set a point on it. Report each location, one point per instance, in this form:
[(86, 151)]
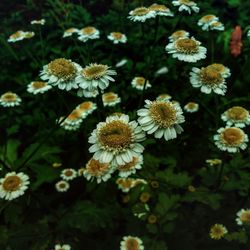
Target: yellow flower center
[(128, 166), (217, 232), (115, 135), (71, 30), (39, 85), (140, 11), (216, 24), (9, 97), (186, 2), (62, 68), (232, 136), (17, 34), (208, 18), (109, 97), (94, 71), (187, 46), (11, 183), (178, 34), (210, 76), (245, 217), (85, 106), (125, 183), (88, 30), (117, 35), (62, 185), (68, 172), (218, 67), (237, 113), (163, 114), (140, 81), (95, 168), (158, 7), (74, 115), (191, 105), (131, 244)]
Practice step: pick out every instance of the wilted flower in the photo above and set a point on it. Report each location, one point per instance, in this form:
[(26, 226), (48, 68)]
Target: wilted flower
[(10, 99), (139, 82), (40, 22), (191, 107), (186, 49), (117, 37), (243, 217), (178, 34), (217, 231), (160, 10), (186, 5), (68, 174), (131, 242), (70, 32), (161, 118), (163, 97), (121, 63), (13, 185), (141, 14), (88, 33), (231, 139), (38, 87), (236, 41), (62, 186), (110, 99)]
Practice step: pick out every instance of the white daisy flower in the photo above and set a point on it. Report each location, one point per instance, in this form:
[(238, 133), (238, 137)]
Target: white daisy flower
[(208, 79), (223, 70), (217, 26), (10, 99), (141, 14), (17, 36), (139, 82), (186, 5), (95, 76), (179, 34), (161, 118), (161, 71), (191, 107), (110, 99), (41, 22), (68, 174), (70, 32), (129, 168), (95, 170), (163, 97), (62, 73), (121, 63), (160, 10), (117, 37), (243, 217), (131, 242), (187, 50), (13, 185), (125, 184), (62, 186), (116, 140), (236, 116), (62, 247), (206, 21), (231, 139), (86, 108), (217, 231), (73, 120), (38, 87), (88, 33)]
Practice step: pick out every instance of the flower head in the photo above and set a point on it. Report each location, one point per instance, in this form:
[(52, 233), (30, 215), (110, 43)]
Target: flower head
[(38, 87), (243, 217), (141, 14), (40, 22), (217, 26), (10, 99), (117, 37), (110, 99), (131, 243), (62, 186), (20, 35), (86, 108), (125, 184), (160, 10), (206, 21), (191, 107), (178, 34), (68, 174), (186, 5), (73, 120), (70, 32), (139, 82), (62, 247), (88, 33), (163, 97), (223, 70), (217, 231)]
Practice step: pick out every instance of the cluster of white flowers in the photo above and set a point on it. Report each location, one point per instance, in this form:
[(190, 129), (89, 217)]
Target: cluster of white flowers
[(210, 22)]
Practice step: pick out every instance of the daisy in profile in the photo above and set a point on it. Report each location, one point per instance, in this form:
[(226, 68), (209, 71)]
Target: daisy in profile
[(161, 71), (178, 34), (29, 34), (116, 140), (99, 171), (243, 217), (110, 99), (236, 116), (129, 168), (62, 186), (126, 184), (131, 242), (205, 21), (223, 70), (62, 73), (231, 139), (186, 5), (62, 247), (141, 14), (160, 10), (70, 32), (191, 107), (161, 118), (10, 99), (39, 22), (121, 63), (217, 231), (17, 36), (187, 50), (117, 37), (73, 120), (217, 26), (86, 108), (13, 185), (95, 76), (68, 174), (38, 87), (208, 80), (88, 33), (139, 82), (163, 97)]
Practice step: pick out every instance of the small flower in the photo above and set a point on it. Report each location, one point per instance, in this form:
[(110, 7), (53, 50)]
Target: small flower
[(10, 99), (121, 63), (96, 170), (144, 197), (62, 186), (38, 87), (70, 32), (86, 108), (110, 99), (62, 73), (243, 217), (187, 50), (186, 5), (191, 107), (116, 140), (117, 37), (56, 164), (206, 21), (236, 116), (141, 14), (95, 76), (68, 174), (125, 184), (178, 34), (131, 243), (139, 82), (152, 219), (13, 185), (160, 10), (20, 35), (214, 162), (62, 247), (231, 139), (217, 231), (88, 33), (129, 168), (161, 118), (208, 79), (191, 188), (163, 97), (223, 70), (217, 26), (73, 120), (40, 22), (161, 71)]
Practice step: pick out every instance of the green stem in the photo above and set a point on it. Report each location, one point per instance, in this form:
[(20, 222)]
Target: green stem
[(9, 48), (42, 44), (212, 47)]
